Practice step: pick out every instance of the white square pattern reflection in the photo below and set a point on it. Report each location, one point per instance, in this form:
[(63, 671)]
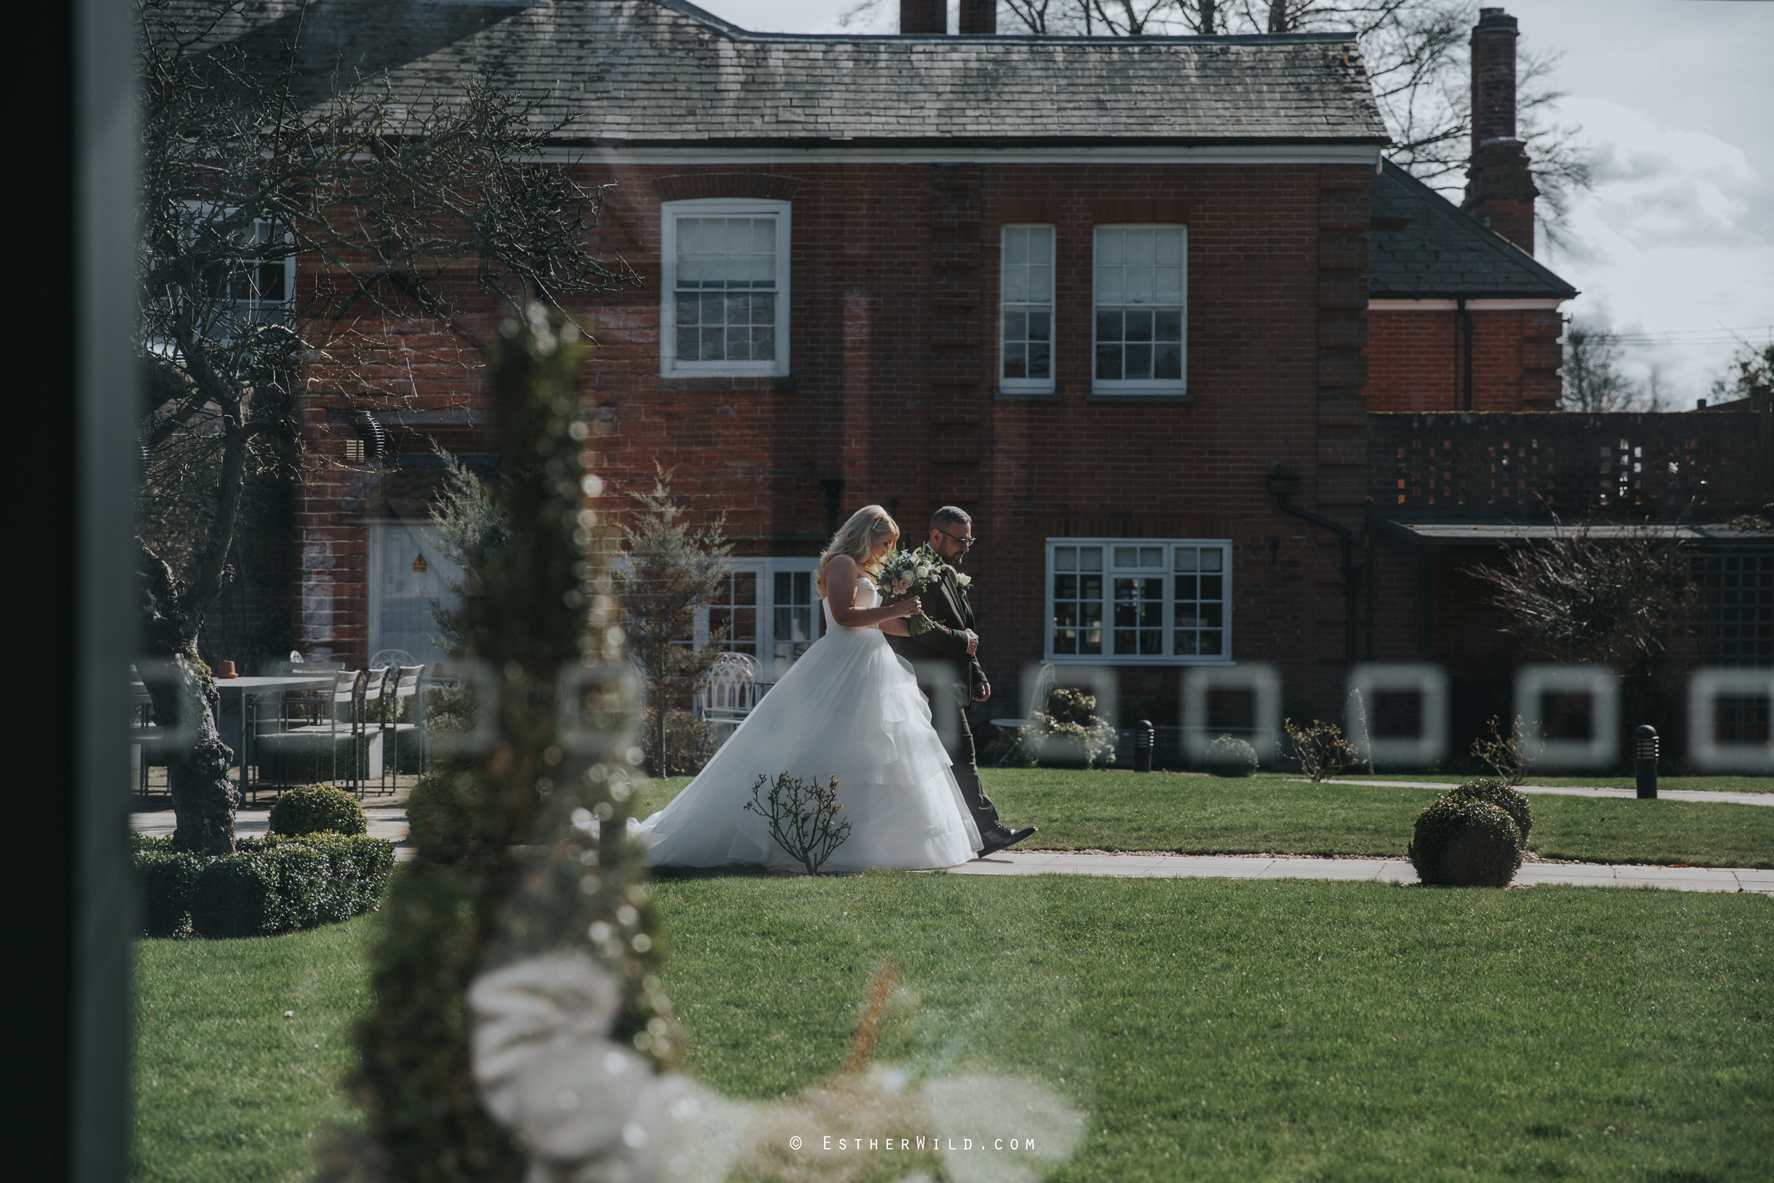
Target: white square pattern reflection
[(1600, 685)]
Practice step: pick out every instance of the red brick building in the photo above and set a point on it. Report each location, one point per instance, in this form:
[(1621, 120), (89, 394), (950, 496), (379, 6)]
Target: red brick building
[(1130, 303), (1090, 290)]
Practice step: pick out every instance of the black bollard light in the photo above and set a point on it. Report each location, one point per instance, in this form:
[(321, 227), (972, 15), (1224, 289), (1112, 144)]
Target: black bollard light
[(1145, 738), (1644, 760)]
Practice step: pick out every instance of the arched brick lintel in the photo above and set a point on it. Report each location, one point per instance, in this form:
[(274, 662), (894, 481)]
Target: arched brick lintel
[(690, 186)]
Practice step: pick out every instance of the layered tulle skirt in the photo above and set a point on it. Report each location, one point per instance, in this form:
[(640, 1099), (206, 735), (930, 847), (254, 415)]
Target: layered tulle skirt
[(850, 708)]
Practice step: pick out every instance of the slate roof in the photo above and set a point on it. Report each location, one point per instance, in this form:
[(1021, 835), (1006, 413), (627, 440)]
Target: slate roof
[(1420, 246), (665, 73)]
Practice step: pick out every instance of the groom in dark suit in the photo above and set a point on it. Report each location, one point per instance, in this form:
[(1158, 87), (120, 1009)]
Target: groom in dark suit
[(945, 628)]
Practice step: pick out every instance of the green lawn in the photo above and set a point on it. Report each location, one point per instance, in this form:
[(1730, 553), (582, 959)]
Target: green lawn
[(226, 1087), (1208, 1029), (1282, 815)]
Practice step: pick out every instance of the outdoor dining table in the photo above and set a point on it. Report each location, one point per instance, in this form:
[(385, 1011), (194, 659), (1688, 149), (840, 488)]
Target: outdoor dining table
[(236, 720)]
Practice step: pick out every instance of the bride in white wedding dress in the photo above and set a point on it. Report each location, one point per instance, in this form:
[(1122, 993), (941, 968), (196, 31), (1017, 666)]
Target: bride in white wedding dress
[(850, 708)]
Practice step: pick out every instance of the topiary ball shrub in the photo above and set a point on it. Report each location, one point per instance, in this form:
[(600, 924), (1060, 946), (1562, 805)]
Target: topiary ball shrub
[(311, 809), (1463, 841), (1495, 792), (1228, 756)]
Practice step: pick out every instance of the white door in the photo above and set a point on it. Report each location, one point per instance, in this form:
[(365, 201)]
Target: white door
[(771, 612), (407, 575)]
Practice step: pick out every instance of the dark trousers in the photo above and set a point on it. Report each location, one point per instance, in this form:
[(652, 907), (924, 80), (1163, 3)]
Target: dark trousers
[(966, 770)]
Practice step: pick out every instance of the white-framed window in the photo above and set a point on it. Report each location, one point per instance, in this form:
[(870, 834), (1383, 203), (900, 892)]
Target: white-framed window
[(771, 610), (250, 275), (1025, 322), (724, 292), (1139, 601), (262, 281), (1141, 323)]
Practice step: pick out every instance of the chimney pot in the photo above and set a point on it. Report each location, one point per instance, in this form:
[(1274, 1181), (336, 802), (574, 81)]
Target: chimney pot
[(925, 17)]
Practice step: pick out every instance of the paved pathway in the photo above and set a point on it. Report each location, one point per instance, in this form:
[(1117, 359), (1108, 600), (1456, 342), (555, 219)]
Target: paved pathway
[(392, 825), (1268, 866), (1579, 791), (384, 823)]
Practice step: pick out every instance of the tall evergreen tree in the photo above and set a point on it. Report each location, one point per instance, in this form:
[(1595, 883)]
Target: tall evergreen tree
[(667, 572)]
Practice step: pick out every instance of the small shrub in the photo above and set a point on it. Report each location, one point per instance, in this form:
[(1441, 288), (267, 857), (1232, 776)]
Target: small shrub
[(440, 815), (312, 809), (1321, 748), (803, 817), (168, 883), (689, 742), (355, 870), (449, 710), (1230, 756), (1464, 841), (1503, 753), (1505, 798), (235, 896), (1065, 735), (270, 885), (1068, 735)]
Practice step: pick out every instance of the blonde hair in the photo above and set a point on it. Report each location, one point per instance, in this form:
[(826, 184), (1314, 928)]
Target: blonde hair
[(856, 537)]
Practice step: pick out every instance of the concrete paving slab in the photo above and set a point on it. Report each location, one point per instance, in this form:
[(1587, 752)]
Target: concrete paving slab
[(1343, 869), (1217, 866), (1562, 871)]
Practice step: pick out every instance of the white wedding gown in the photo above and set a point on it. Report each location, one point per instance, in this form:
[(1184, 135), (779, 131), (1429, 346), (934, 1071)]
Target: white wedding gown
[(849, 708)]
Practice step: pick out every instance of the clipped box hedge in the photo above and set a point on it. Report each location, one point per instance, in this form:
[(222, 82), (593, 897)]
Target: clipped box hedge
[(270, 885)]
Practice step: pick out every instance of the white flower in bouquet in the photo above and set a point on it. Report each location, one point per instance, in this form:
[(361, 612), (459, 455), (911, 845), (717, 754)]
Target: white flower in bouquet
[(902, 575)]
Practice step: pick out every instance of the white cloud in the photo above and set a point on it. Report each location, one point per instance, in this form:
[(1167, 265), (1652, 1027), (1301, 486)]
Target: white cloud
[(1673, 245), (1660, 186)]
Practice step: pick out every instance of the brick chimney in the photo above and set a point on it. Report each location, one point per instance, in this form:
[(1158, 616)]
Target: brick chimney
[(979, 17), (1499, 189), (925, 16)]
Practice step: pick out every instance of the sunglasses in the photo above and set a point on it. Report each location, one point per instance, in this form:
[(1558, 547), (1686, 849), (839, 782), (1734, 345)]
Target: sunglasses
[(967, 543)]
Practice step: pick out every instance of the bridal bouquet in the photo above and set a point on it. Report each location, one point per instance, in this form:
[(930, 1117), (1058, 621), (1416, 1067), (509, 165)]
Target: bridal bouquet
[(906, 573)]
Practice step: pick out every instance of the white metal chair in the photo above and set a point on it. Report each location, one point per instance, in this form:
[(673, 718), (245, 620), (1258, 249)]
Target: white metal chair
[(144, 737), (1038, 695), (385, 658), (403, 682), (340, 728), (731, 693)]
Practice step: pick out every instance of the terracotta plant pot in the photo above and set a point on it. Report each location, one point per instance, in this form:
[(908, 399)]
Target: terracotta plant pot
[(226, 670)]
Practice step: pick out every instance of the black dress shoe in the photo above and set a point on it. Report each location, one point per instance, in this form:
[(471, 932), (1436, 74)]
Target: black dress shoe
[(998, 837)]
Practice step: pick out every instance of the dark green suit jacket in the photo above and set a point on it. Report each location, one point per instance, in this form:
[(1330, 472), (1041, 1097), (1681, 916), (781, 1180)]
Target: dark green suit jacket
[(941, 627)]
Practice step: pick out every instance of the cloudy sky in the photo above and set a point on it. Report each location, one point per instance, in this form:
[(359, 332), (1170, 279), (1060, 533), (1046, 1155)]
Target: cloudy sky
[(1674, 248)]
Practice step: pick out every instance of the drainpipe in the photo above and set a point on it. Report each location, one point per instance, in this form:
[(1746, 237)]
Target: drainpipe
[(1282, 483)]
